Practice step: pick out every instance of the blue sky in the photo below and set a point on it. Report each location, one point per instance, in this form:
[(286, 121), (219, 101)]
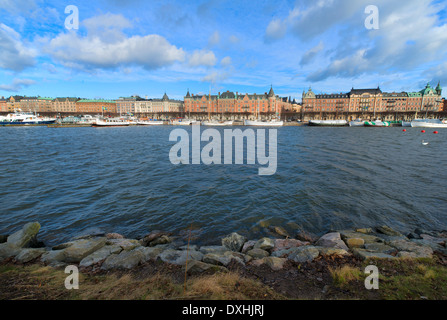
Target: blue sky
[(147, 48)]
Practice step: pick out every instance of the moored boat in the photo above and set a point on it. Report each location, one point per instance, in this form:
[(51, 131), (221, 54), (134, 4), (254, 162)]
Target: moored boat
[(377, 123), (150, 123), (259, 123), (357, 123), (429, 124), (183, 122), (111, 123), (328, 123), (217, 123), (25, 118)]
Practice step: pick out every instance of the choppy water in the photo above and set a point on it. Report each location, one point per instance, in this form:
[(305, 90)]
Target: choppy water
[(121, 180)]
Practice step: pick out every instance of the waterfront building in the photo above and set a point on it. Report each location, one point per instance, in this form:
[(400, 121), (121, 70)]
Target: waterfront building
[(3, 105), (143, 106), (36, 104), (126, 105), (13, 103), (166, 105), (235, 105), (372, 103), (65, 105), (95, 106)]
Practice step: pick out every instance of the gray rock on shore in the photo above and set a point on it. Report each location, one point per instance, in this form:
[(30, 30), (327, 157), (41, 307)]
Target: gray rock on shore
[(332, 240), (234, 242)]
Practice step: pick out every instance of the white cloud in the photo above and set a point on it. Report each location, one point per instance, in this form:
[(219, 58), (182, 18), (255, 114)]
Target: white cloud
[(226, 62), (106, 46), (275, 30), (202, 58), (18, 6), (14, 55), (17, 85), (214, 39), (311, 54)]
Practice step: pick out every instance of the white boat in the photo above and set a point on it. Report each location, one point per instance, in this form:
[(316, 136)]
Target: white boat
[(217, 123), (111, 123), (150, 123), (328, 123), (429, 124), (183, 122), (264, 123), (357, 123), (406, 124), (25, 118)]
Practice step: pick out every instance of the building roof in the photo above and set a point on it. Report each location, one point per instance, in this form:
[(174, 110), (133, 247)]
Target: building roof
[(363, 91), (95, 101)]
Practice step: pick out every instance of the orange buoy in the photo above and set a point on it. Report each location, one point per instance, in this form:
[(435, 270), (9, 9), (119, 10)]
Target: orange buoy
[(436, 132), (423, 131), (405, 130)]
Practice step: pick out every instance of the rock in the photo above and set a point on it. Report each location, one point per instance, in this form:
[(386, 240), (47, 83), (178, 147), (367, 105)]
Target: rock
[(191, 247), (125, 244), (355, 243), (83, 248), (27, 255), (424, 243), (332, 251), (379, 247), (23, 237), (364, 230), (389, 231), (410, 246), (153, 236), (265, 244), (280, 231), (250, 244), (178, 257), (3, 238), (223, 259), (304, 254), (7, 250), (90, 233), (407, 255), (124, 260), (258, 253), (413, 235), (53, 257), (62, 246), (234, 242), (164, 239), (197, 267), (100, 255), (347, 234), (284, 244), (332, 240), (150, 253), (213, 249), (111, 236), (432, 239), (264, 223), (274, 263), (306, 236), (365, 254)]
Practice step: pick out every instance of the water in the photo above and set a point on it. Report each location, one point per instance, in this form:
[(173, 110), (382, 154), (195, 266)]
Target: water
[(121, 180)]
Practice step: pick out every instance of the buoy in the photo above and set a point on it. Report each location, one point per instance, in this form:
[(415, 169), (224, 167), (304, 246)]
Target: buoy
[(405, 130), (436, 132), (423, 131)]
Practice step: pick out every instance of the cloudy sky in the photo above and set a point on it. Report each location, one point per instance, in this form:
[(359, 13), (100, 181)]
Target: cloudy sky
[(148, 47)]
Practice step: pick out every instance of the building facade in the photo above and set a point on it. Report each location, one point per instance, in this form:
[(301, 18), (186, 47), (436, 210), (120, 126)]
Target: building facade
[(166, 105), (65, 105), (373, 103), (96, 106), (235, 105)]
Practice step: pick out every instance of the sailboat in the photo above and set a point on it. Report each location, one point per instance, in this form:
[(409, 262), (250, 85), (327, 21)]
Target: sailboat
[(215, 123), (260, 123)]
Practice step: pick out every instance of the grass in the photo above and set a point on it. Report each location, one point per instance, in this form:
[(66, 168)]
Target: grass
[(37, 282), (344, 275)]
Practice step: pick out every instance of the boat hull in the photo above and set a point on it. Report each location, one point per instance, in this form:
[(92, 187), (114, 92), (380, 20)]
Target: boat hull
[(420, 124), (150, 123), (377, 124), (328, 123), (264, 124), (217, 124), (22, 123), (357, 123)]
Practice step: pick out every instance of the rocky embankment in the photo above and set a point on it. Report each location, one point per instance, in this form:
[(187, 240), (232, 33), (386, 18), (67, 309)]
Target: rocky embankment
[(112, 251)]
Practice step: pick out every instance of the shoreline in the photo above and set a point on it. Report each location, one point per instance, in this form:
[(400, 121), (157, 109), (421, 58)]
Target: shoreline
[(315, 262)]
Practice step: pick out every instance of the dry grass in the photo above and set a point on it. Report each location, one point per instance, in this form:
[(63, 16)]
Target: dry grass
[(37, 282), (342, 276)]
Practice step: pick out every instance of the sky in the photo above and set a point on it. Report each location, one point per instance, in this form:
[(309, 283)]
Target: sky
[(149, 47)]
